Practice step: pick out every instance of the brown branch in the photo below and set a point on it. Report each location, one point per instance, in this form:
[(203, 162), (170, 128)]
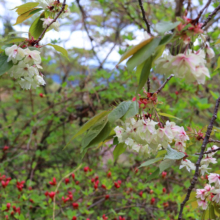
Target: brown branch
[(211, 151), (144, 17), (205, 142), (214, 141), (163, 85), (54, 20), (210, 16), (196, 20)]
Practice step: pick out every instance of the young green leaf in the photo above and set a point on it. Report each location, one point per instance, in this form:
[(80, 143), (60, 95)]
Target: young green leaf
[(4, 65), (26, 7), (101, 137), (152, 161), (37, 27), (119, 111), (60, 49), (94, 131), (165, 164), (168, 116), (166, 39), (173, 154), (144, 74), (15, 40), (119, 149), (165, 26), (26, 15), (143, 54), (134, 49), (90, 123), (132, 111)]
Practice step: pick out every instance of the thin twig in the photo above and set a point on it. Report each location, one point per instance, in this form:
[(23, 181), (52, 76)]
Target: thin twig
[(144, 17), (211, 151), (163, 85), (210, 16), (205, 142), (54, 20), (214, 141), (196, 20)]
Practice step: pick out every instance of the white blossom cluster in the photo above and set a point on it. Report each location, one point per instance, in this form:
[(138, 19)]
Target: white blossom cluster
[(142, 135), (26, 66), (190, 65), (204, 162), (210, 192), (52, 8)]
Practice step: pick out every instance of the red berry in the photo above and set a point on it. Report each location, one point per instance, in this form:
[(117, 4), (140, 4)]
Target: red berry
[(86, 169), (5, 148), (8, 206), (95, 186), (164, 190), (51, 194), (46, 193), (117, 185), (54, 182), (176, 92), (41, 95), (107, 197), (119, 182), (121, 218), (73, 175), (109, 174), (97, 177), (140, 193), (152, 201), (74, 218), (77, 182), (67, 180), (92, 180), (103, 186), (104, 217), (164, 174), (75, 205)]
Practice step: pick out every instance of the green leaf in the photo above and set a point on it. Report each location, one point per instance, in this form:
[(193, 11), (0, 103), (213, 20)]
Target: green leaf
[(26, 7), (149, 162), (37, 27), (138, 70), (218, 41), (144, 74), (15, 40), (94, 131), (102, 136), (134, 49), (119, 149), (166, 39), (26, 15), (215, 95), (168, 116), (161, 152), (192, 200), (154, 175), (173, 154), (165, 26), (119, 111), (60, 49), (212, 212), (90, 123), (165, 164), (4, 65), (218, 64), (143, 54), (132, 111)]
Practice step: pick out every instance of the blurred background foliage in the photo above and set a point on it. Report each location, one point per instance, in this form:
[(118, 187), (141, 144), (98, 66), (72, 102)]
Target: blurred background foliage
[(37, 125)]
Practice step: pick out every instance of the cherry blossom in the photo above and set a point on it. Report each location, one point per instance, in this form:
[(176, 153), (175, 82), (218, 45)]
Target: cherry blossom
[(187, 164)]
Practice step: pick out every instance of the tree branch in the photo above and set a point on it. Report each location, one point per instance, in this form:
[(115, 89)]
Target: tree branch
[(205, 142), (196, 20), (210, 16), (54, 20), (144, 17), (163, 85)]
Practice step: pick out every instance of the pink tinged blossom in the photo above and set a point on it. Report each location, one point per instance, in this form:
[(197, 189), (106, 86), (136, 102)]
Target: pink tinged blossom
[(203, 204), (214, 178), (187, 164), (180, 145), (182, 136), (208, 160), (200, 194), (210, 52), (216, 198)]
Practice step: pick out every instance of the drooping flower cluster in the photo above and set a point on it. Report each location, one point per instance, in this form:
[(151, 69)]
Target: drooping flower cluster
[(51, 8), (142, 135), (26, 66), (190, 65)]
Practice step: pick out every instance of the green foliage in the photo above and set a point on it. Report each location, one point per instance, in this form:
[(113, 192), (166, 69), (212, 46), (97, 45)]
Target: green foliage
[(4, 65)]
